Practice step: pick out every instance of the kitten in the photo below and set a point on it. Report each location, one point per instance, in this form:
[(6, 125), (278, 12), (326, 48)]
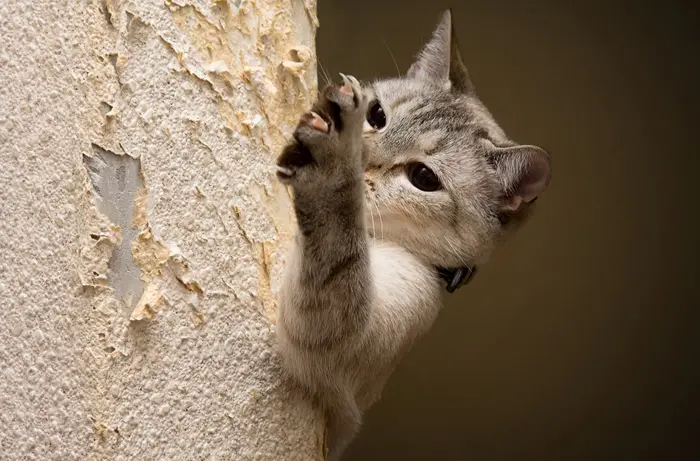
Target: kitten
[(390, 181)]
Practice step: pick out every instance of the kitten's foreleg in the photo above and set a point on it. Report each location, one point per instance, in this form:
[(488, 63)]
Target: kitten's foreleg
[(327, 291), (330, 290)]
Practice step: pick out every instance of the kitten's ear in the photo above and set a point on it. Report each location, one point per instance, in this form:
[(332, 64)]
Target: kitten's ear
[(525, 172), (440, 61)]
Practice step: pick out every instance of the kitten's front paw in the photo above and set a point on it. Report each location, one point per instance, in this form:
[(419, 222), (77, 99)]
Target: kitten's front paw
[(349, 98), (297, 155), (329, 134)]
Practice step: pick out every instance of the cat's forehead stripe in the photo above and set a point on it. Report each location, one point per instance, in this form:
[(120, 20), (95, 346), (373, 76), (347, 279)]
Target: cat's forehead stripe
[(401, 100)]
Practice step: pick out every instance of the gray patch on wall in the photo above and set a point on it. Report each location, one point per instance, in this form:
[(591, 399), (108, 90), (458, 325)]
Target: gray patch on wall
[(115, 182)]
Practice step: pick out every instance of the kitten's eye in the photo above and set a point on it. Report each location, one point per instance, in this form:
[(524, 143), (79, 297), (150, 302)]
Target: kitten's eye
[(375, 115), (423, 177)]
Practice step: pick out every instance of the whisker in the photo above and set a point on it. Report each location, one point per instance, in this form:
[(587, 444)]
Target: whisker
[(455, 252), (381, 222), (325, 74), (374, 232), (398, 72)]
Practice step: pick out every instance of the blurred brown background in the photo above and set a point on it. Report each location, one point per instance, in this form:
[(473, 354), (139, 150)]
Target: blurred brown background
[(578, 341)]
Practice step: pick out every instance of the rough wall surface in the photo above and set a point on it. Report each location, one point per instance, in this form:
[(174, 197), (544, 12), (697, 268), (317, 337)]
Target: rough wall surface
[(141, 229)]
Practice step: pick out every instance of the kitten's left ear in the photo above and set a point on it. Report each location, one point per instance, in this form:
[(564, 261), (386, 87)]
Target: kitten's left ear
[(440, 61), (525, 172)]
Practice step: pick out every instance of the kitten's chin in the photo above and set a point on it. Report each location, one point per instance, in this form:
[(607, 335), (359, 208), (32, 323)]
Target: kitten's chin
[(428, 243), (391, 228)]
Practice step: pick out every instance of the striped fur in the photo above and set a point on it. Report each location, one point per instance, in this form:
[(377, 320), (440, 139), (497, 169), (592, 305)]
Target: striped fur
[(360, 284)]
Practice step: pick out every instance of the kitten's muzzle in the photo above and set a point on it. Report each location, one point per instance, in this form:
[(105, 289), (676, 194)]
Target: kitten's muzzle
[(370, 183)]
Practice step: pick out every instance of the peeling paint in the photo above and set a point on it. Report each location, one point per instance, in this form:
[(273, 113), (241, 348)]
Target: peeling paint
[(115, 182), (149, 304), (310, 6), (149, 255)]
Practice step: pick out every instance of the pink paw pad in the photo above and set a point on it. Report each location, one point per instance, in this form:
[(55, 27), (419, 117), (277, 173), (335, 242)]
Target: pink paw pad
[(315, 120), (346, 89)]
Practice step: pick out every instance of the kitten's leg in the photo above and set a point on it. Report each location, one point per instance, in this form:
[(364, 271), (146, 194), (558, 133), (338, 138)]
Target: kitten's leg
[(342, 424), (327, 291)]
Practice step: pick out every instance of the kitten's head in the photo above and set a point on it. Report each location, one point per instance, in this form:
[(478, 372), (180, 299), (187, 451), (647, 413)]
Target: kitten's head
[(443, 179)]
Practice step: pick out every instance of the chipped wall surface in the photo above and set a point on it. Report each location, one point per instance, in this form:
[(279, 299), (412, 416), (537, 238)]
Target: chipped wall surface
[(142, 230)]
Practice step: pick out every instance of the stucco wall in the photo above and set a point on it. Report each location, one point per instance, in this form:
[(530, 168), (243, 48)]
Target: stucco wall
[(141, 228)]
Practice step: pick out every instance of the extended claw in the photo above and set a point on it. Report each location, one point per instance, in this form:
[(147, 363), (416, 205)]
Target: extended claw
[(284, 173), (347, 85), (355, 82), (351, 86)]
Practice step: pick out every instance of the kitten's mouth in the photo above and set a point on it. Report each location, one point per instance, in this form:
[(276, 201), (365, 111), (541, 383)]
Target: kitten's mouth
[(370, 187), (369, 199), (369, 194), (370, 183)]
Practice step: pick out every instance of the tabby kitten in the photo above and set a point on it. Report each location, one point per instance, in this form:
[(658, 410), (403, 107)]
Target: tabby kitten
[(390, 182)]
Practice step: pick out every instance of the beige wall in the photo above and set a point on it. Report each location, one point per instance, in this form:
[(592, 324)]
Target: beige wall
[(577, 341), (140, 228)]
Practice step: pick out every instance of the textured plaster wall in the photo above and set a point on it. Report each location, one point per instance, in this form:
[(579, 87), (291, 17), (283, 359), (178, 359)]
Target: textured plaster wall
[(142, 230)]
